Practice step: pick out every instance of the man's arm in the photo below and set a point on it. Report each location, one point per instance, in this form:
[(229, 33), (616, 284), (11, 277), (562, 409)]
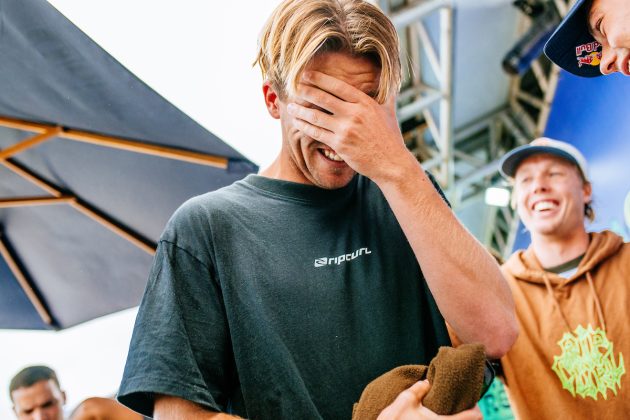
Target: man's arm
[(96, 408), (173, 408), (463, 277)]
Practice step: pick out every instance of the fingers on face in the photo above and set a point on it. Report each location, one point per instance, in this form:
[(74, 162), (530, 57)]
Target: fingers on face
[(333, 86), (313, 116), (313, 131), (321, 99)]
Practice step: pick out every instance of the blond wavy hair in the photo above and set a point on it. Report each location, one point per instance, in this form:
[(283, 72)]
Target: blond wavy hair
[(299, 30)]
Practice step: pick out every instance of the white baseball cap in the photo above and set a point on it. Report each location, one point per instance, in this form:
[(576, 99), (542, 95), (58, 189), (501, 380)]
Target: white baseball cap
[(511, 160)]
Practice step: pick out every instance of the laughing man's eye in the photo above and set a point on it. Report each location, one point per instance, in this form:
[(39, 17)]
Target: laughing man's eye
[(594, 24), (596, 30)]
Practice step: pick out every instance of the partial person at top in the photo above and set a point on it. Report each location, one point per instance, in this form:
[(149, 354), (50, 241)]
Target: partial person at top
[(283, 295), (571, 288), (593, 39), (36, 395)]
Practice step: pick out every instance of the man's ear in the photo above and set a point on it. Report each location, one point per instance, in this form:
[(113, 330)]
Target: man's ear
[(271, 99), (63, 397), (588, 192)]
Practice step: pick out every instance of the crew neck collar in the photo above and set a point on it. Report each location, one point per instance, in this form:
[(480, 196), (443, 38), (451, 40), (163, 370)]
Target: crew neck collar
[(299, 192)]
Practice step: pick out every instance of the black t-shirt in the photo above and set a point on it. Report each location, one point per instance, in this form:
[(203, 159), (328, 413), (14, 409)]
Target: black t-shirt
[(276, 300)]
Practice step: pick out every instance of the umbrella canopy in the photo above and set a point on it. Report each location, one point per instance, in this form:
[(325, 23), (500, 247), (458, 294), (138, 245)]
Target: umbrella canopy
[(92, 164)]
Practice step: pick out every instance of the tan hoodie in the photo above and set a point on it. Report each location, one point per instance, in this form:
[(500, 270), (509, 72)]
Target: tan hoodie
[(550, 308)]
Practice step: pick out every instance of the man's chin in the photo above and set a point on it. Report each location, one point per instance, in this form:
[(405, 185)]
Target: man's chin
[(334, 182), (545, 229)]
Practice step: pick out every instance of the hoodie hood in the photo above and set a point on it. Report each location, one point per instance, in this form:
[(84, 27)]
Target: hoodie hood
[(524, 266)]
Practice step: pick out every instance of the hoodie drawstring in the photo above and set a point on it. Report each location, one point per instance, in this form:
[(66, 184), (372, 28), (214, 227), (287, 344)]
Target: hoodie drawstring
[(555, 300), (598, 305)]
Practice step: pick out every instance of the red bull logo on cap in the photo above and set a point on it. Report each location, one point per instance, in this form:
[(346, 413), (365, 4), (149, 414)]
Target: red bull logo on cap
[(593, 54)]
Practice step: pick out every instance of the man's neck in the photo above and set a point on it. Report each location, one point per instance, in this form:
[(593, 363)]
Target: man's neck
[(283, 170), (553, 250)]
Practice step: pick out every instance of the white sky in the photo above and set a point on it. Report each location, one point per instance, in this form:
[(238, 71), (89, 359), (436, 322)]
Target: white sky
[(198, 55)]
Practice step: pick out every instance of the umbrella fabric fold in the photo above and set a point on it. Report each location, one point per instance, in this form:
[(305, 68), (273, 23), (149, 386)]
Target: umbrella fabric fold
[(92, 164)]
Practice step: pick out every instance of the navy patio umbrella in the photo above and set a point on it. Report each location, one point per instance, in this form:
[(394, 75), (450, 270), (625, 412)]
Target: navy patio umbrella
[(92, 164)]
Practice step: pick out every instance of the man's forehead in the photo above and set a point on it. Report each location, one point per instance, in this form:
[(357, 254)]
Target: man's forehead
[(360, 71), (42, 389), (543, 159)]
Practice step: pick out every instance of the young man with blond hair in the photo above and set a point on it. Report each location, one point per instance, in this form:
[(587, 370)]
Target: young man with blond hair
[(571, 290), (283, 295)]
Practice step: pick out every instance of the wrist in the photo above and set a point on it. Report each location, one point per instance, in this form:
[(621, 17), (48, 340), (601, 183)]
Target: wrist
[(404, 167)]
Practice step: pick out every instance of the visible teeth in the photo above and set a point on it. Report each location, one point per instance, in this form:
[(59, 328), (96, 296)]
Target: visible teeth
[(544, 205), (332, 155)]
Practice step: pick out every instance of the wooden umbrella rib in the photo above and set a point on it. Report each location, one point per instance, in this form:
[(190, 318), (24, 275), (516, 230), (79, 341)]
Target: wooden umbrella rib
[(29, 143), (65, 199), (34, 201), (113, 227), (59, 198), (118, 143), (148, 149), (32, 178), (24, 125), (28, 289)]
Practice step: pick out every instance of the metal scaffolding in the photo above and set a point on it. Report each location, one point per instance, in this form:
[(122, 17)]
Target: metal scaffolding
[(425, 103), (465, 161)]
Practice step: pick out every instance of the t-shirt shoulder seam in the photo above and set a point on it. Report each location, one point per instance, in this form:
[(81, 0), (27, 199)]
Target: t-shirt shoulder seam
[(189, 253)]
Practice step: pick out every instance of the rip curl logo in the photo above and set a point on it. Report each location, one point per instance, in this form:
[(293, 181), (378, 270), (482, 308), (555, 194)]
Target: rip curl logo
[(321, 262), (587, 364), (593, 54)]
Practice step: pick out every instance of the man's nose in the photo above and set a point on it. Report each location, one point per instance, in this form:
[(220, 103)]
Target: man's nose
[(540, 184), (608, 63), (40, 415)]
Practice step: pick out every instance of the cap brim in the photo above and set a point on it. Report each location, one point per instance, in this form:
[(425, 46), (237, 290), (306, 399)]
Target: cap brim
[(511, 161), (571, 33)]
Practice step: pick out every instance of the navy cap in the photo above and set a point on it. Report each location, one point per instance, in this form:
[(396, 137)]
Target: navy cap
[(512, 159), (572, 47)]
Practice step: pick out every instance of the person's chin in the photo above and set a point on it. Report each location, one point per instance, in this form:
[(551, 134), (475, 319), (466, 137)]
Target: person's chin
[(335, 180), (547, 227), (331, 175)]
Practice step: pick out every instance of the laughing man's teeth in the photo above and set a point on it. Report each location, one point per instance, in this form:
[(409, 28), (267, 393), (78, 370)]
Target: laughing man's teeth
[(544, 205), (332, 155)]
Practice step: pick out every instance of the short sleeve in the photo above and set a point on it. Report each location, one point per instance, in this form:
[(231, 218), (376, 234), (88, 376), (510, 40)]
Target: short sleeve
[(180, 343)]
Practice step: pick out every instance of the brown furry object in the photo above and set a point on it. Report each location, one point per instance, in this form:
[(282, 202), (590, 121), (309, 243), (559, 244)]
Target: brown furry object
[(455, 374)]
